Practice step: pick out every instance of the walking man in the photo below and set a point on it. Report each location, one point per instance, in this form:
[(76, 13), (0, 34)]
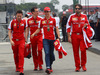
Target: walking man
[(75, 24), (36, 41), (16, 35), (48, 24)]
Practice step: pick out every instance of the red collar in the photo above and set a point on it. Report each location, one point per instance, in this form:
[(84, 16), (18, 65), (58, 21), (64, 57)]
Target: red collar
[(36, 18), (77, 15), (17, 20)]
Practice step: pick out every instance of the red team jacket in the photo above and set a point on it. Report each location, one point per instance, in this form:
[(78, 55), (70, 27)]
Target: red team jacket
[(75, 25), (60, 49), (17, 28)]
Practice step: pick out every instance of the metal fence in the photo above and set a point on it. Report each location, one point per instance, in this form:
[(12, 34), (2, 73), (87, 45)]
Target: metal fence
[(4, 33)]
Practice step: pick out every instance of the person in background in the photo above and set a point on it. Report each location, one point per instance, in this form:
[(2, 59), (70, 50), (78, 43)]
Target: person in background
[(57, 22), (63, 26), (91, 19), (97, 24), (26, 17)]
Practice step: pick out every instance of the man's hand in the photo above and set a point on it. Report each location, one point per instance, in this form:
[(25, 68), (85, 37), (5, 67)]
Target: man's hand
[(12, 43), (58, 39), (32, 35), (96, 25), (25, 44), (85, 25), (69, 39)]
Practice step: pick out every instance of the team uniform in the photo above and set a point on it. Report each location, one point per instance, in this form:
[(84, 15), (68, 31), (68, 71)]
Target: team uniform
[(36, 41), (19, 42), (75, 25), (48, 40)]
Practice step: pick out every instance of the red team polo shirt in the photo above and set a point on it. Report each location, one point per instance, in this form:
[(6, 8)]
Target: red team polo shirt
[(17, 28), (33, 24), (75, 23), (48, 28)]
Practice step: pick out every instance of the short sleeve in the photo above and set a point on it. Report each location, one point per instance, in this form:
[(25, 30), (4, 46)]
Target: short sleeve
[(68, 24), (10, 25), (40, 24), (27, 23), (55, 23)]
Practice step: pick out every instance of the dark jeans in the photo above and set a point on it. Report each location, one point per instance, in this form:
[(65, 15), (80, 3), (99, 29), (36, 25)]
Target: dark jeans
[(49, 52)]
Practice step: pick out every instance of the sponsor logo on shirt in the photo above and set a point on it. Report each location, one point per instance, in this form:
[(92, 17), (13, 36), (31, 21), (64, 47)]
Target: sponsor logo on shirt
[(56, 43), (82, 18), (14, 24), (43, 22), (51, 21), (74, 19), (30, 22), (22, 24)]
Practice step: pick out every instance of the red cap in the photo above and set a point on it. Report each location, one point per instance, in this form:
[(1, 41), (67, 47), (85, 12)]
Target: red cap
[(47, 9)]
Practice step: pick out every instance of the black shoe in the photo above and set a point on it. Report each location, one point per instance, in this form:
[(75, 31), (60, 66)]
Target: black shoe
[(21, 73), (40, 69), (48, 71), (17, 71), (35, 69)]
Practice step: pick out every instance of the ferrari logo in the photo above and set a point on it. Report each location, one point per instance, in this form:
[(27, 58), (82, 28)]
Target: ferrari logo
[(31, 22), (14, 24), (43, 22)]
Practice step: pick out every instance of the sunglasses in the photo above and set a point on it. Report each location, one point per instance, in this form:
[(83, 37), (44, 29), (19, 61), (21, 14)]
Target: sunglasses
[(77, 8), (46, 11)]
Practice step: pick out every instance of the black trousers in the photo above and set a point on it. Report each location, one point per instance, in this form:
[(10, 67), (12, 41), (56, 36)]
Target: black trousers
[(65, 38), (97, 32)]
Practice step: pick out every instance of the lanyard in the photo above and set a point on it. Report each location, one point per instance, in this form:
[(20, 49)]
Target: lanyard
[(48, 26)]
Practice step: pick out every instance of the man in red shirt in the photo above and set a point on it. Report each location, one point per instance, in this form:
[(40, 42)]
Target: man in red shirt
[(16, 35), (48, 24), (37, 43), (75, 24)]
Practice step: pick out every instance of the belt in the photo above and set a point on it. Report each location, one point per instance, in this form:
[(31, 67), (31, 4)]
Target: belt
[(77, 33), (17, 39)]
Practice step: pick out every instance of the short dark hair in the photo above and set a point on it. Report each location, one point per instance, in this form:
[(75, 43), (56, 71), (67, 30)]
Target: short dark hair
[(19, 11), (33, 9), (79, 6), (54, 15), (26, 15)]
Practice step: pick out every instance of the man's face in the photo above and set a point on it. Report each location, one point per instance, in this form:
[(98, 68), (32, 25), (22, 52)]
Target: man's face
[(92, 12), (64, 14), (78, 9), (36, 12), (47, 13), (96, 10), (19, 16)]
